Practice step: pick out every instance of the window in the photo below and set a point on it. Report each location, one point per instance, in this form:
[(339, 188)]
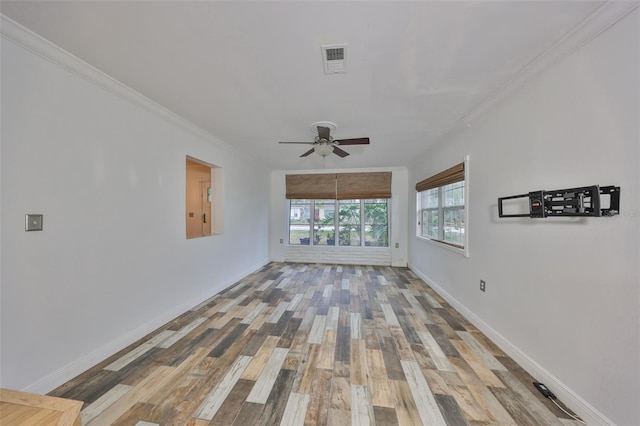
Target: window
[(453, 213), (376, 223), (324, 220), (430, 203), (349, 221), (300, 222), (360, 200), (441, 207), (319, 228), (442, 213)]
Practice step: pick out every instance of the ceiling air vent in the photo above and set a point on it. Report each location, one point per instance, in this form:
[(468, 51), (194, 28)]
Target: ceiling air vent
[(334, 58)]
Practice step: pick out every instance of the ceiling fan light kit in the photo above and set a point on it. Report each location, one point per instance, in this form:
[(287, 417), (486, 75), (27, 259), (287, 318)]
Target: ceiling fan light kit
[(323, 149)]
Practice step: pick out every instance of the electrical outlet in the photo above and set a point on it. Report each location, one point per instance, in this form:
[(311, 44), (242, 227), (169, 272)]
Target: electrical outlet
[(483, 285), (281, 241), (397, 245)]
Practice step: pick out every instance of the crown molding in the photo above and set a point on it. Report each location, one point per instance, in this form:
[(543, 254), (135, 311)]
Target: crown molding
[(601, 19), (27, 39)]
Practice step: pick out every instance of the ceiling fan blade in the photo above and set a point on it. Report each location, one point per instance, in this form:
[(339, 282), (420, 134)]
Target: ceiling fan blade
[(323, 132), (306, 143), (308, 152), (339, 152), (356, 141)]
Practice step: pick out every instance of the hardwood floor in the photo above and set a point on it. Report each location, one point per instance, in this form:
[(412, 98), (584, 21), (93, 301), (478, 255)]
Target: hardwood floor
[(296, 344)]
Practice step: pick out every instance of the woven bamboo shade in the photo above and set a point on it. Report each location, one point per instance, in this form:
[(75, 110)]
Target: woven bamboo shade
[(340, 186), (451, 175), (312, 186), (362, 186)]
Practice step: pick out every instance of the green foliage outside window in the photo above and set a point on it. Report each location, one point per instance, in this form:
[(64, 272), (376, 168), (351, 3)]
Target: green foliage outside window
[(376, 223), (349, 223)]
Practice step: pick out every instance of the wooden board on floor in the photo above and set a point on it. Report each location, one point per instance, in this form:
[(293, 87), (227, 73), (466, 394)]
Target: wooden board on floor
[(22, 408)]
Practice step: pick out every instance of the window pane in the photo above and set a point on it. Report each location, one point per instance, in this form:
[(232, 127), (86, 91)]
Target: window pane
[(376, 223), (429, 199), (376, 236), (349, 222), (454, 194), (454, 225), (299, 222), (324, 225), (430, 223)]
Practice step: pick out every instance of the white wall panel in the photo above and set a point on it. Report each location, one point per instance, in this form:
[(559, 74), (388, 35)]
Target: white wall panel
[(112, 262), (563, 291)]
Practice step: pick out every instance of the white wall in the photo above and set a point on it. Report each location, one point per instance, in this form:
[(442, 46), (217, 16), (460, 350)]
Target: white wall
[(112, 262), (563, 291), (279, 206)]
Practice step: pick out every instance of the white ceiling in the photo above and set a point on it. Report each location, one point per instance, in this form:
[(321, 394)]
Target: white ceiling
[(251, 73)]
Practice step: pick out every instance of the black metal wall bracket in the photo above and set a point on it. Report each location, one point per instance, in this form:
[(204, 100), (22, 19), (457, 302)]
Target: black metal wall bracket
[(583, 201)]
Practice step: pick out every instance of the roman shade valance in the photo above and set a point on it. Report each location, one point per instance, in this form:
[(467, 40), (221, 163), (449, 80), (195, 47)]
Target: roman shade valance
[(451, 175), (314, 186), (339, 186), (363, 186)]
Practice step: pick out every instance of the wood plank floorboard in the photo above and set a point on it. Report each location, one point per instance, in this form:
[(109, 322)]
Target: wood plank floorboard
[(312, 344)]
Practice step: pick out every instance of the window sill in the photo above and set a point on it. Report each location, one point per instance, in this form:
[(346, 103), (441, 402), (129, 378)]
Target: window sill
[(193, 237), (444, 245), (315, 246)]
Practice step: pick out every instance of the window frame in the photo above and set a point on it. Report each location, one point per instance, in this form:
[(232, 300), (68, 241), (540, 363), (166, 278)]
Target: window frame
[(441, 209), (336, 224)]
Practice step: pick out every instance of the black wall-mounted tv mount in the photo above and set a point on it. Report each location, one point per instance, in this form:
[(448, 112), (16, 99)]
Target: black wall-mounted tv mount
[(583, 201)]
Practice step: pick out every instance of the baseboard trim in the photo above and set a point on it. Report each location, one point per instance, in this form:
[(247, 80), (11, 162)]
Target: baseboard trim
[(574, 401), (82, 364)]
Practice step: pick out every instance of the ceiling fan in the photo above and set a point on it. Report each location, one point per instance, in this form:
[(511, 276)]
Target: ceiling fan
[(324, 144)]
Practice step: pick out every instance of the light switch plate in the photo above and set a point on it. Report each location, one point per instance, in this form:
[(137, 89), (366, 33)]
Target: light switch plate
[(33, 222)]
